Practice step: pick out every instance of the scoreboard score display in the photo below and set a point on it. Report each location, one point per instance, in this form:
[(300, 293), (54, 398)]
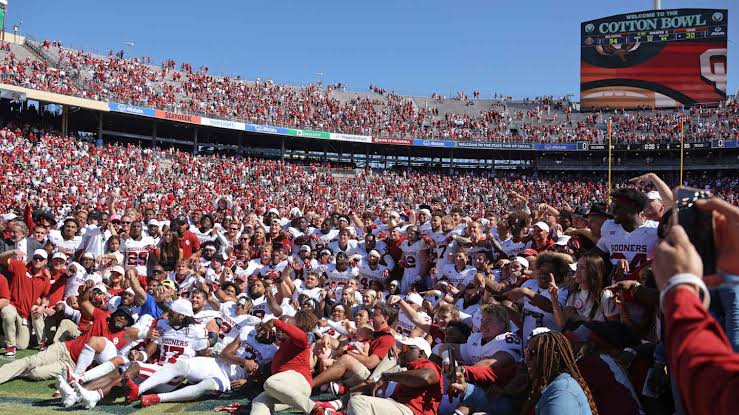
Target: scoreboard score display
[(654, 59)]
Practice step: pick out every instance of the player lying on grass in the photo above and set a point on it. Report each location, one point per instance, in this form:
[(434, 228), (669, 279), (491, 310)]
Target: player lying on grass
[(243, 360), (113, 327), (180, 337)]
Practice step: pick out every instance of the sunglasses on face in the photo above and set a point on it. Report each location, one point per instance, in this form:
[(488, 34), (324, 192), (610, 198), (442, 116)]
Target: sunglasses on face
[(126, 223), (39, 258)]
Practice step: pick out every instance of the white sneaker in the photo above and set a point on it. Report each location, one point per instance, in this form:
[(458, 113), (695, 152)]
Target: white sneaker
[(87, 397), (70, 400), (68, 395)]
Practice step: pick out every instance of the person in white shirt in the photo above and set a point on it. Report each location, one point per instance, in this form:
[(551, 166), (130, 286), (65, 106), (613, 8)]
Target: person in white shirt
[(459, 274), (372, 270), (589, 299), (535, 294), (67, 240), (494, 344), (628, 240), (154, 230), (138, 249), (344, 243)]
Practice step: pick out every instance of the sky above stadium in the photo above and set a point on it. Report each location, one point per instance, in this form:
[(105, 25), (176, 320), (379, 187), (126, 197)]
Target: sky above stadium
[(413, 47)]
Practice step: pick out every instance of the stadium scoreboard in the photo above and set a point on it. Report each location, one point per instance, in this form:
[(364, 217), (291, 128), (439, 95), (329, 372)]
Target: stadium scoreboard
[(654, 59)]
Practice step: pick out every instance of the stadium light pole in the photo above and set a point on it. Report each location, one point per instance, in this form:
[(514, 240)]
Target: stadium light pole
[(657, 4)]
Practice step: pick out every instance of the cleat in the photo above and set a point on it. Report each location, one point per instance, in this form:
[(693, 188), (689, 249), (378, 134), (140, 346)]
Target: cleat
[(70, 400), (89, 398), (10, 352), (68, 395), (337, 389), (149, 400)]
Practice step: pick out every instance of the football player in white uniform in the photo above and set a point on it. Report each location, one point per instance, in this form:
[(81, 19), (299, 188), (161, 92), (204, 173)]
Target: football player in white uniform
[(179, 337), (459, 274), (405, 326), (628, 240), (340, 272), (138, 249), (372, 270), (414, 259), (239, 361), (66, 240), (494, 344)]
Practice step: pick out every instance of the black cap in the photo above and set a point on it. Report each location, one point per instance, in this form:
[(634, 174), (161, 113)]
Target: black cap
[(600, 209), (127, 312), (181, 219), (581, 212)]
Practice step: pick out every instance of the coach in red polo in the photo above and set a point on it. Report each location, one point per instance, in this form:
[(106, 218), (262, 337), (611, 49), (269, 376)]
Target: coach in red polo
[(29, 290)]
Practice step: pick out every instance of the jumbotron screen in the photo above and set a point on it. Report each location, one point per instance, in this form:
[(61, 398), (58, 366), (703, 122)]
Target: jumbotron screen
[(654, 59)]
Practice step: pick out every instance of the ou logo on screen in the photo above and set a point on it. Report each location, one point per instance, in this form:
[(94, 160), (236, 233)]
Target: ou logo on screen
[(713, 67)]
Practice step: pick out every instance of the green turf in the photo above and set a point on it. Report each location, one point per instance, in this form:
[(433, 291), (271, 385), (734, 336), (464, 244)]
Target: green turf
[(21, 397)]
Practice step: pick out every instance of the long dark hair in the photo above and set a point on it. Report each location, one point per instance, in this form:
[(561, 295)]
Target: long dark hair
[(170, 251), (552, 356), (595, 269)]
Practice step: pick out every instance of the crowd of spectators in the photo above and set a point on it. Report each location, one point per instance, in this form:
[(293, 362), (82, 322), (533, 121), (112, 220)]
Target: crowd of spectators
[(404, 291), (63, 172), (182, 88)]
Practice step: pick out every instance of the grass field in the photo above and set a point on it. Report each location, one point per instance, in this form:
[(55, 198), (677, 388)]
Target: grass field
[(20, 397)]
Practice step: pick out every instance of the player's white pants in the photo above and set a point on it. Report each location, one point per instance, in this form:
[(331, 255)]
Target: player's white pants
[(148, 370), (196, 369)]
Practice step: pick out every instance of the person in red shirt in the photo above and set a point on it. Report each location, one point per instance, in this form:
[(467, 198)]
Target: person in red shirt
[(29, 291), (4, 292), (56, 360), (291, 381), (418, 391), (189, 242), (353, 368), (703, 362)]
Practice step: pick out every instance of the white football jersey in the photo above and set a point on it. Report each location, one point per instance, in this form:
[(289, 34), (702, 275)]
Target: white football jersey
[(338, 278), (474, 351), (251, 349), (261, 308), (232, 324), (533, 316), (327, 238), (440, 252), (459, 278), (367, 274), (137, 253), (351, 247), (181, 343), (67, 247), (636, 247), (512, 248), (412, 256), (185, 287), (405, 326)]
